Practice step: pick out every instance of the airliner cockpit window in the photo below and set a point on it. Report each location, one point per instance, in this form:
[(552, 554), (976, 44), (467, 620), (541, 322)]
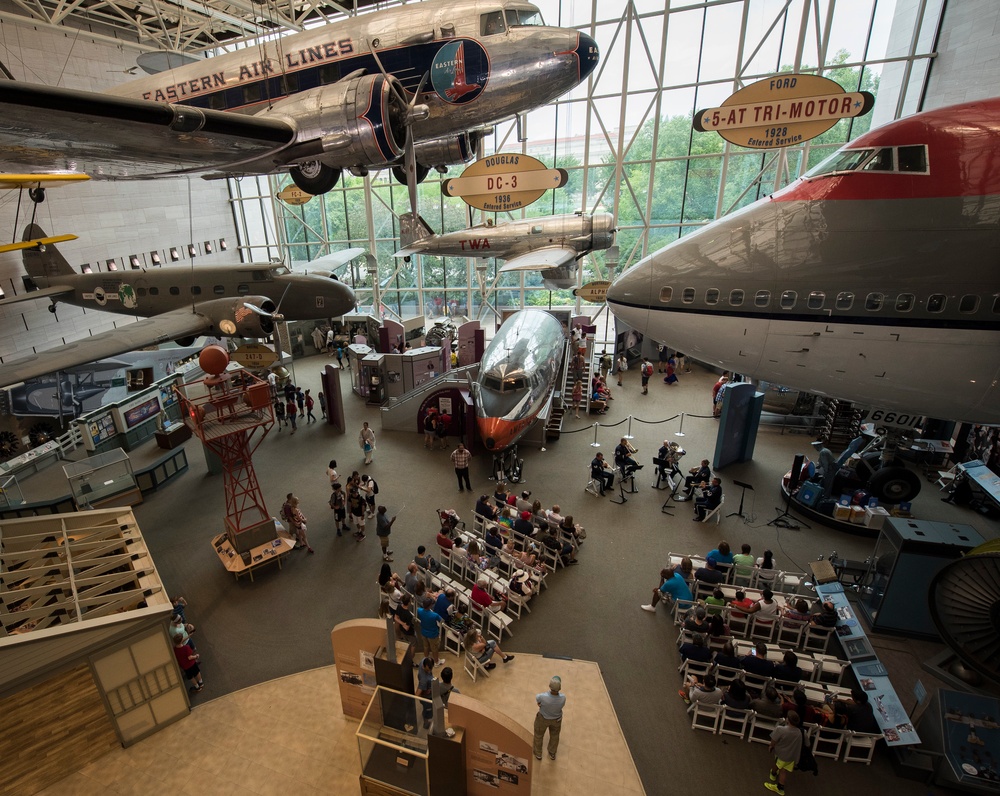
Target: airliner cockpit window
[(279, 270), (912, 159), (522, 16), (880, 161), (840, 161), (492, 383), (491, 23), (519, 383)]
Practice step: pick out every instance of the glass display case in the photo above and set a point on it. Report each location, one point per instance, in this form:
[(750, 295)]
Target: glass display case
[(10, 492), (103, 479), (393, 743)]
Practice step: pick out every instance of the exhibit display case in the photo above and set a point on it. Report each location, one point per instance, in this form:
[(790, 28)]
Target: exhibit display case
[(103, 479), (393, 749)]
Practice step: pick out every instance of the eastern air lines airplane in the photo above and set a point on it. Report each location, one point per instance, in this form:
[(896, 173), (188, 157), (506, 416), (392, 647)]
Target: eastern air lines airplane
[(337, 97), (872, 278)]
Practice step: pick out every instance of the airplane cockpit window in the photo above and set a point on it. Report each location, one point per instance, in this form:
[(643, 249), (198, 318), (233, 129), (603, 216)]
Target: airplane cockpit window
[(968, 304), (491, 23), (936, 302), (517, 17), (904, 302), (278, 270), (845, 301), (840, 161), (816, 300), (788, 299), (666, 293), (912, 158), (517, 383), (492, 383), (736, 298), (762, 298), (687, 296), (881, 161), (712, 295), (874, 301)]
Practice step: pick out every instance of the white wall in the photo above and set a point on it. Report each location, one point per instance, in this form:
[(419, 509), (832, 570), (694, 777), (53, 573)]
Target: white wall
[(112, 219)]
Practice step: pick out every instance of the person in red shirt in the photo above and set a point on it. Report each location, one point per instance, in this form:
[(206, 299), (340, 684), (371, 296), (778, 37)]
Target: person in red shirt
[(188, 659), (741, 604), (482, 597)]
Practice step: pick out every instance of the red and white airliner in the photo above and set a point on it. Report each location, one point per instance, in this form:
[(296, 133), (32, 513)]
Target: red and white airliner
[(873, 278)]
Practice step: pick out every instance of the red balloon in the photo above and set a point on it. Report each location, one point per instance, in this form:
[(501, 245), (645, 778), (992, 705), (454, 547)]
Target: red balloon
[(214, 359)]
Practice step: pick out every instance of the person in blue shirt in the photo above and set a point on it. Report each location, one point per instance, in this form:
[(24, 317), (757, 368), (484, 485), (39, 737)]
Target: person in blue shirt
[(430, 629), (672, 587), (721, 554)]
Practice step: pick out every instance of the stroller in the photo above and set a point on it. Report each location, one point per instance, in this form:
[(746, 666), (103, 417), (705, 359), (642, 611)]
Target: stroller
[(450, 521)]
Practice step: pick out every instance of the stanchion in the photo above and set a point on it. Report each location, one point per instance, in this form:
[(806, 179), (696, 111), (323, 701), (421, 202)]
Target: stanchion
[(595, 443), (629, 434), (680, 431)]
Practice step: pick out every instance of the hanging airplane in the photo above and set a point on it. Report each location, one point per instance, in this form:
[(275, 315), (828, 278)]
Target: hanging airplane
[(409, 87), (873, 278), (516, 375), (551, 244), (177, 303)]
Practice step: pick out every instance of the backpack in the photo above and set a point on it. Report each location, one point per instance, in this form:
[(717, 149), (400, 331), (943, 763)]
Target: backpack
[(647, 370), (374, 486), (807, 762)]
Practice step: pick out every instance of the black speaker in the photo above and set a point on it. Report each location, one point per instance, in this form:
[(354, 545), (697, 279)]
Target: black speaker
[(793, 481)]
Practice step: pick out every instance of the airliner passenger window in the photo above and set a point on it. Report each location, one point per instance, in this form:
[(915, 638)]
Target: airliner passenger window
[(874, 301), (968, 304), (141, 292), (912, 159), (154, 291), (243, 289), (845, 301), (736, 298), (251, 94), (788, 299), (666, 293), (523, 16), (762, 298), (996, 305), (217, 100), (881, 161), (936, 302), (491, 23), (712, 296), (329, 73), (687, 296), (816, 300), (175, 291), (290, 82), (904, 302), (219, 290), (195, 290)]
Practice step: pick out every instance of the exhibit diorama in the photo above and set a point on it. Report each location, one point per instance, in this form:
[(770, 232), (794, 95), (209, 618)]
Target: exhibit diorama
[(697, 302)]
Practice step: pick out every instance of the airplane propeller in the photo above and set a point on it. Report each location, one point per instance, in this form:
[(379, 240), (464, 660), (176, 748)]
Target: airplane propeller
[(276, 317)]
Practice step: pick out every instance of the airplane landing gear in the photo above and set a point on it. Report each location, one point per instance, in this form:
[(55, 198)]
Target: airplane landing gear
[(37, 195), (507, 466), (52, 308), (314, 177), (399, 172)]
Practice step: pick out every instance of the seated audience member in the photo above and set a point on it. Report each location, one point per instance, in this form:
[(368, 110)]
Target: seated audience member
[(393, 595), (765, 610), (475, 555), (736, 696), (386, 574), (721, 554), (523, 524), (524, 556), (716, 602), (798, 613), (444, 605), (572, 530), (477, 644), (445, 541), (672, 587), (686, 570), (425, 561), (493, 540), (765, 568), (727, 657), (717, 626), (788, 669), (709, 501), (520, 585), (500, 495), (698, 475), (484, 509), (554, 517), (806, 710), (860, 717), (696, 649), (823, 615), (459, 553), (696, 621), (563, 549), (480, 596), (741, 605), (768, 703), (743, 562), (412, 578), (538, 515), (403, 618), (524, 502), (756, 662), (709, 573), (702, 691)]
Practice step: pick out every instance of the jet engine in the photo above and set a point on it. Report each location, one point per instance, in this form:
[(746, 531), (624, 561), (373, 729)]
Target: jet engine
[(233, 317), (355, 123)]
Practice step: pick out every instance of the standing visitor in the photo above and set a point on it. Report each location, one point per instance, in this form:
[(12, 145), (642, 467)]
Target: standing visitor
[(786, 744), (366, 440), (549, 717), (460, 458), (646, 370), (383, 527)]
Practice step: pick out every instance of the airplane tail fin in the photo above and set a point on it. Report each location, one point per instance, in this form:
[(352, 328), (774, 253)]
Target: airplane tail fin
[(412, 229), (43, 260)]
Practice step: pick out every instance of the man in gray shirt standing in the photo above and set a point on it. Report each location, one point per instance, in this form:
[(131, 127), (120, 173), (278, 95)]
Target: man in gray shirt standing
[(549, 717), (786, 743)]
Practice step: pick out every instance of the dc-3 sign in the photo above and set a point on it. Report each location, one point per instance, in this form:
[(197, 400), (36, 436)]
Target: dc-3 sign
[(783, 111), (292, 195), (504, 182)]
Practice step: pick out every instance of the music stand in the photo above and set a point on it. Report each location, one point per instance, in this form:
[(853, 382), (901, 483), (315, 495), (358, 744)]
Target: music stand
[(739, 511), (621, 487)]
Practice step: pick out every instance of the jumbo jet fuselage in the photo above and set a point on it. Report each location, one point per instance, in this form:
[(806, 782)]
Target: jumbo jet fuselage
[(874, 278)]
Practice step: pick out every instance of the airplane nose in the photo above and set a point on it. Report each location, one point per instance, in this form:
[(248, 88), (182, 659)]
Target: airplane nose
[(588, 55)]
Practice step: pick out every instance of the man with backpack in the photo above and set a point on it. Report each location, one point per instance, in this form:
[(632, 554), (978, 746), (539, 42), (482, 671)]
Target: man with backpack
[(646, 371)]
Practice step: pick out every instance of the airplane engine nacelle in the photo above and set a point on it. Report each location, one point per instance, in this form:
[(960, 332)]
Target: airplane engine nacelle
[(240, 317), (447, 151), (353, 123)]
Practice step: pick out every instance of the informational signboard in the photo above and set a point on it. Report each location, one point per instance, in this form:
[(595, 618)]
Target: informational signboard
[(503, 182), (783, 110), (254, 356), (293, 195), (596, 291)]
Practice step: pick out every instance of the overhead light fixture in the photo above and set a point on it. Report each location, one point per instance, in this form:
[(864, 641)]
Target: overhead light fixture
[(208, 246), (111, 264), (174, 254), (192, 251), (133, 260), (154, 258), (223, 246)]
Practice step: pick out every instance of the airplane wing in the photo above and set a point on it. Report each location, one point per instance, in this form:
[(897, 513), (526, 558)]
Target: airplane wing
[(148, 331), (541, 259), (14, 181), (31, 295), (330, 261), (59, 129)]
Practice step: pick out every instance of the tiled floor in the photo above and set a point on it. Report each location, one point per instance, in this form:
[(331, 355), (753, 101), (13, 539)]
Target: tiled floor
[(288, 736)]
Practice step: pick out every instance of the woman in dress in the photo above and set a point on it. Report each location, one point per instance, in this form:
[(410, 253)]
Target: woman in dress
[(577, 397)]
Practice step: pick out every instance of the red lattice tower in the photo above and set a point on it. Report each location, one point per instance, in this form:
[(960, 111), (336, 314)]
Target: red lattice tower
[(225, 411)]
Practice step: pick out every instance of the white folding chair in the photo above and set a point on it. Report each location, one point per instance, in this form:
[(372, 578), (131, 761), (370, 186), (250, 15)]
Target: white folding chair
[(473, 667), (705, 717), (817, 639), (829, 669), (794, 582), (790, 632), (515, 603), (761, 629), (593, 486), (861, 747), (829, 742), (716, 512), (761, 728), (452, 641), (734, 721)]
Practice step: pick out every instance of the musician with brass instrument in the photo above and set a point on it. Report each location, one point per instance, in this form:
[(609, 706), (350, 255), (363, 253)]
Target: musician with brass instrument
[(624, 460)]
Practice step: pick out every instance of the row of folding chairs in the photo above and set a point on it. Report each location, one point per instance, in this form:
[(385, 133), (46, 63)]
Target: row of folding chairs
[(844, 745), (789, 633), (778, 580)]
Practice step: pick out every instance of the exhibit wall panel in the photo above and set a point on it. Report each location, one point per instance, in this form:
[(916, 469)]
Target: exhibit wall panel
[(114, 220)]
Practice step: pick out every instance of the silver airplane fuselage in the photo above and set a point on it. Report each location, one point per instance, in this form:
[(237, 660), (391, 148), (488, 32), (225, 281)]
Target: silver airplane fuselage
[(872, 279)]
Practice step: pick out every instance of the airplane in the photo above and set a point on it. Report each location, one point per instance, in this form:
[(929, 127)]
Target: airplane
[(355, 94), (872, 278), (176, 303), (516, 376), (552, 244)]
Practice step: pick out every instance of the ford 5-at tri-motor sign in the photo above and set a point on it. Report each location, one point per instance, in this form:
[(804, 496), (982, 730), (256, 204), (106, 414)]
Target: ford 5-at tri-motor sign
[(783, 111)]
